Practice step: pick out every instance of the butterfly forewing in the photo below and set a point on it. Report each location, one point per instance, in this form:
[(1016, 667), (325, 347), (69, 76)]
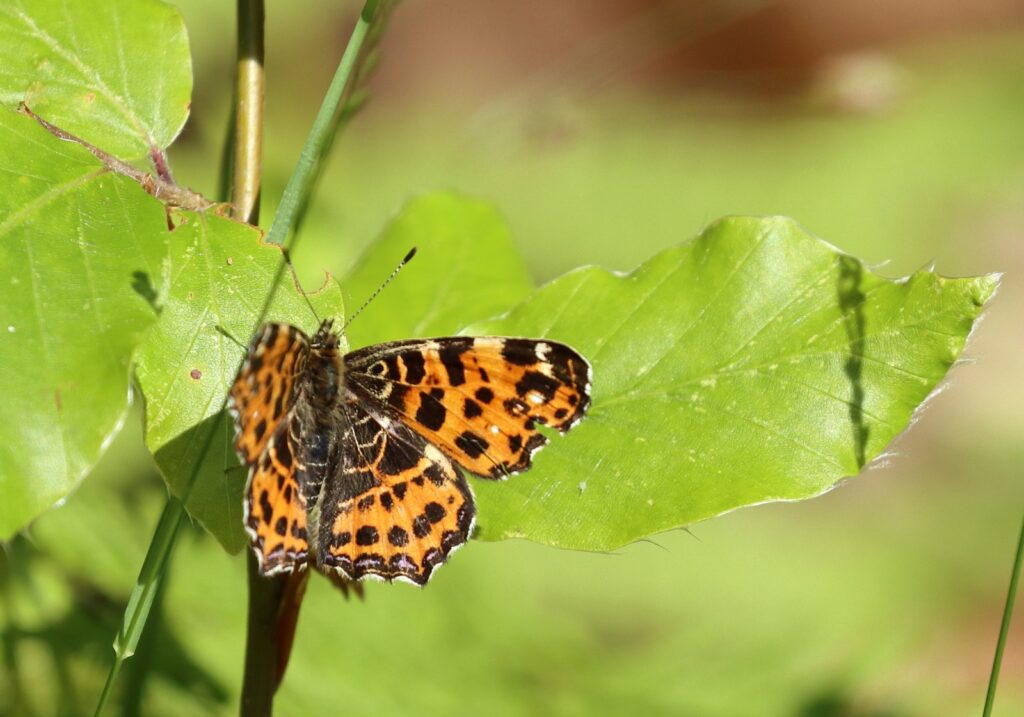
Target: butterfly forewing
[(262, 392), (480, 400)]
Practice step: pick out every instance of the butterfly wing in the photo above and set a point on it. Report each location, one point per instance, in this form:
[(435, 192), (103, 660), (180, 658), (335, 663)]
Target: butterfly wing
[(261, 401), (479, 399), (262, 392), (275, 511), (396, 507)]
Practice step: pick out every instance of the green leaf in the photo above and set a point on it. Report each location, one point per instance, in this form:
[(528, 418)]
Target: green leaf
[(755, 363), (81, 251), (221, 275), (116, 73), (466, 268)]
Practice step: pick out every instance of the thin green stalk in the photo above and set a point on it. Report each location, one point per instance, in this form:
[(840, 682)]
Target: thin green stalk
[(304, 176), (297, 189), (1004, 630), (146, 587)]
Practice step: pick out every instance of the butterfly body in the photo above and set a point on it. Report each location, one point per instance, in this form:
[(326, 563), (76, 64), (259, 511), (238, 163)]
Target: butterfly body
[(356, 459)]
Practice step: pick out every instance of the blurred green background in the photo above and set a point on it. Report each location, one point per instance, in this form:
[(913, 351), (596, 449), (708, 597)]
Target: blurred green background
[(604, 132)]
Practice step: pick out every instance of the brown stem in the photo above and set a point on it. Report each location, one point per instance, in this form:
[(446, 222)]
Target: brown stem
[(167, 191), (273, 615)]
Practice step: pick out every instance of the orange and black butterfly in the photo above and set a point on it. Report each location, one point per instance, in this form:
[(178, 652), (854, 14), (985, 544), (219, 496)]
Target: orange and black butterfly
[(355, 460)]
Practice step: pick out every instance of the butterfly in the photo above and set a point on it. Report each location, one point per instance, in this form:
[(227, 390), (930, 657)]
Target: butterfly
[(356, 460)]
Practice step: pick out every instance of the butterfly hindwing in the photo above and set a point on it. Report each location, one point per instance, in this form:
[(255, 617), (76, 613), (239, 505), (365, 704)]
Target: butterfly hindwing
[(396, 508), (275, 512), (479, 399)]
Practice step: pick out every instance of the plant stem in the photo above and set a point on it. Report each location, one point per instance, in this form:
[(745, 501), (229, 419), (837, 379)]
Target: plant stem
[(161, 186), (1004, 630), (274, 604), (249, 93)]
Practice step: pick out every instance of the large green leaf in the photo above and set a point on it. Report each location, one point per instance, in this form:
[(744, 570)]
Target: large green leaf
[(756, 363), (81, 252), (221, 275), (466, 268), (117, 73)]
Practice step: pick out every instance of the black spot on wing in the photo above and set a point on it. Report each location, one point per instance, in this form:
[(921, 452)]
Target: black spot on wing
[(435, 512), (450, 353), (393, 372), (283, 452), (396, 458), (471, 409), (265, 507), (521, 352), (367, 535), (435, 474), (536, 381), (431, 412), (397, 394), (415, 368), (398, 537), (472, 444)]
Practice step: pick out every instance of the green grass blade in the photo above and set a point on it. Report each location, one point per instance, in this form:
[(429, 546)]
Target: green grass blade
[(146, 587), (1004, 630), (304, 176)]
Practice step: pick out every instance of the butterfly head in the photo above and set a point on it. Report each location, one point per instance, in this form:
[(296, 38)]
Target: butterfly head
[(325, 338)]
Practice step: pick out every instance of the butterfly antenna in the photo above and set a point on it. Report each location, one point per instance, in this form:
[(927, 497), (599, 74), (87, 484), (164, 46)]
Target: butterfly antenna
[(403, 262), (298, 285)]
